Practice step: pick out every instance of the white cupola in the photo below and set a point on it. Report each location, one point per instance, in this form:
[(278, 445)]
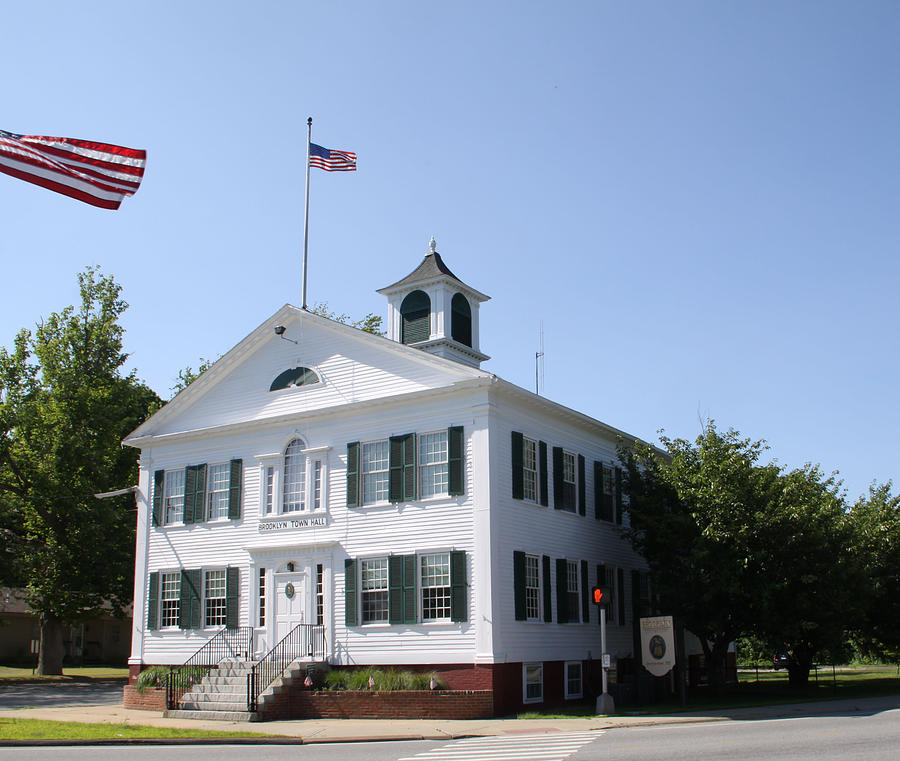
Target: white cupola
[(434, 310)]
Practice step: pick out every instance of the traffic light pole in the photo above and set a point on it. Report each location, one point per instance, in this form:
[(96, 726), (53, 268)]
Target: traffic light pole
[(605, 704)]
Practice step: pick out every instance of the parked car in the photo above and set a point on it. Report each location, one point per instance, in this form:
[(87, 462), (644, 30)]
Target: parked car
[(781, 661)]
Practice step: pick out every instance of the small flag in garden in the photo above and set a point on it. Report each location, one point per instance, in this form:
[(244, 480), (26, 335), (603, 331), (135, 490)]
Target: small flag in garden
[(331, 160), (96, 173)]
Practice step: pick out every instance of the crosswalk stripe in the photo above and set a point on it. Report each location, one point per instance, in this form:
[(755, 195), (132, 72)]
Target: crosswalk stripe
[(545, 747)]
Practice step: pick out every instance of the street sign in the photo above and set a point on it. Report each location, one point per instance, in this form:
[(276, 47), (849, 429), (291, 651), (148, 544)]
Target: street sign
[(658, 644)]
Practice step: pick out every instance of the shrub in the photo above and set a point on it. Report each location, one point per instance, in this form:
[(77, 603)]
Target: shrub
[(385, 679)]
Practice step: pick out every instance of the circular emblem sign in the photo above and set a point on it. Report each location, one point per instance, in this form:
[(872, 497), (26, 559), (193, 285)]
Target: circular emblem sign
[(657, 647), (289, 591)]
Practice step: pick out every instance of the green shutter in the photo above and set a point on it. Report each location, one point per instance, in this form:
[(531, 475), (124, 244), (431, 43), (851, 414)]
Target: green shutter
[(518, 465), (562, 597), (395, 589), (190, 610), (585, 593), (548, 595), (618, 495), (519, 585), (235, 484), (598, 489), (195, 494), (459, 598), (559, 501), (351, 608), (545, 481), (620, 597), (409, 468), (456, 461), (353, 499), (582, 493), (159, 488), (232, 597), (410, 609), (402, 484), (153, 602)]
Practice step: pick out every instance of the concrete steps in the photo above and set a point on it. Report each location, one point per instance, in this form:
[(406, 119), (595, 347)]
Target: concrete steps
[(222, 695)]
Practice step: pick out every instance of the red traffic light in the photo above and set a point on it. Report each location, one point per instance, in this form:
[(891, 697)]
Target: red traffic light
[(600, 596)]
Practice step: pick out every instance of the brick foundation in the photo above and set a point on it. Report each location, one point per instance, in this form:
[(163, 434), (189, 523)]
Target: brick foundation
[(151, 699), (400, 704)]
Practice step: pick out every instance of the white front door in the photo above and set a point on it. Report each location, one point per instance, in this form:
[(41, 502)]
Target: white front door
[(290, 602)]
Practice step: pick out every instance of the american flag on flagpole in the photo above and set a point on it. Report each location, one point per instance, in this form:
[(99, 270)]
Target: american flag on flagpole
[(331, 160), (96, 173)]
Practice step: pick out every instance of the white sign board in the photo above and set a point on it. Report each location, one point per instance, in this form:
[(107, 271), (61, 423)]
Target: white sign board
[(658, 645)]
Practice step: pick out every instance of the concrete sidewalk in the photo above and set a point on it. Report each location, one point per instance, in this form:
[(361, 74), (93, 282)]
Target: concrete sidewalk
[(366, 730)]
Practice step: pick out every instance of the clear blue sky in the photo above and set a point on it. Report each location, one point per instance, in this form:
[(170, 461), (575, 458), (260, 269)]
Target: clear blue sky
[(697, 200)]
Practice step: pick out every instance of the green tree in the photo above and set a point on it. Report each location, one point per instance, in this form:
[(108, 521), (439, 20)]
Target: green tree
[(65, 406), (876, 524), (371, 323), (737, 547), (811, 595), (694, 515)]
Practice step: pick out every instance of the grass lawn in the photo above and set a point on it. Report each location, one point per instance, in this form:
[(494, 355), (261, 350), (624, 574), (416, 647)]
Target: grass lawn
[(763, 688), (36, 729), (70, 673)]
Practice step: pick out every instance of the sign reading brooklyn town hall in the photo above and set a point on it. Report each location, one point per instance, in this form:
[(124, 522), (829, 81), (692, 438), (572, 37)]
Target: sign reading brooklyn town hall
[(658, 644), (285, 525)]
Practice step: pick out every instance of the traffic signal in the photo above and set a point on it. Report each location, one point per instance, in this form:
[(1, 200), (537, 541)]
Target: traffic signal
[(600, 596)]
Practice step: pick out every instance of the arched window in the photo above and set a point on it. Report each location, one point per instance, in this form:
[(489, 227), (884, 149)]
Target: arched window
[(294, 489), (461, 320), (415, 318), (296, 376)]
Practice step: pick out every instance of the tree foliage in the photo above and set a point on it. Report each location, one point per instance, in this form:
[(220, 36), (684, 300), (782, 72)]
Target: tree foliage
[(876, 522), (736, 546), (65, 406), (371, 323)]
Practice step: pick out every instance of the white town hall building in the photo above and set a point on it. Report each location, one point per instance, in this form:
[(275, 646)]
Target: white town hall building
[(416, 509)]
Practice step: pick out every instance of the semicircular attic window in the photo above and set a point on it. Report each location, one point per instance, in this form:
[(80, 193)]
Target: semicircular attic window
[(294, 378)]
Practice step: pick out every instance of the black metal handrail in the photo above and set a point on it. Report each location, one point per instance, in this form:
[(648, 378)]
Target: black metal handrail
[(303, 641), (228, 643)]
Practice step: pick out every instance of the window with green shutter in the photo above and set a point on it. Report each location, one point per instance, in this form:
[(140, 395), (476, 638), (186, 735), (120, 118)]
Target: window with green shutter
[(582, 490), (603, 492), (548, 594), (585, 593), (618, 495)]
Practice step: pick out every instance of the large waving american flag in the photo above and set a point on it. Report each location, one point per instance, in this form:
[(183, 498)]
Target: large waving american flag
[(96, 173), (331, 160)]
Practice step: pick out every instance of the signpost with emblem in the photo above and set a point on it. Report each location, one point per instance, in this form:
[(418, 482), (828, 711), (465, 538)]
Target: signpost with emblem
[(658, 644)]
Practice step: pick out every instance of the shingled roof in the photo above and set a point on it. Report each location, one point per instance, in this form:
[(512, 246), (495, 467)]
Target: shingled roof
[(432, 266)]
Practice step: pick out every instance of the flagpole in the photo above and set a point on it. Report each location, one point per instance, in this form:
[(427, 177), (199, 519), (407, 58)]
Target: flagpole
[(306, 210)]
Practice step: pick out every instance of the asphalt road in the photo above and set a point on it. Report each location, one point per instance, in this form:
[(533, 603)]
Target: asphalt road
[(872, 736), (58, 694)]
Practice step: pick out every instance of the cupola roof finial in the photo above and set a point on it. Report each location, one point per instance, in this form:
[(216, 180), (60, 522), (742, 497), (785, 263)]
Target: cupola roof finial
[(432, 244)]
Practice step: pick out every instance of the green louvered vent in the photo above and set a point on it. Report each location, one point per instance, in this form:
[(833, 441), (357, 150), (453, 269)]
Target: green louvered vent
[(415, 318)]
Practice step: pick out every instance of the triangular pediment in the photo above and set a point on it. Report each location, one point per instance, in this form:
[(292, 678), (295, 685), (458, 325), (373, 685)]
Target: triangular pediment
[(316, 364)]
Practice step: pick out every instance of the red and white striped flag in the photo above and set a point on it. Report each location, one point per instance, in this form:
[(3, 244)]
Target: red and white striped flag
[(96, 173), (331, 160)]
